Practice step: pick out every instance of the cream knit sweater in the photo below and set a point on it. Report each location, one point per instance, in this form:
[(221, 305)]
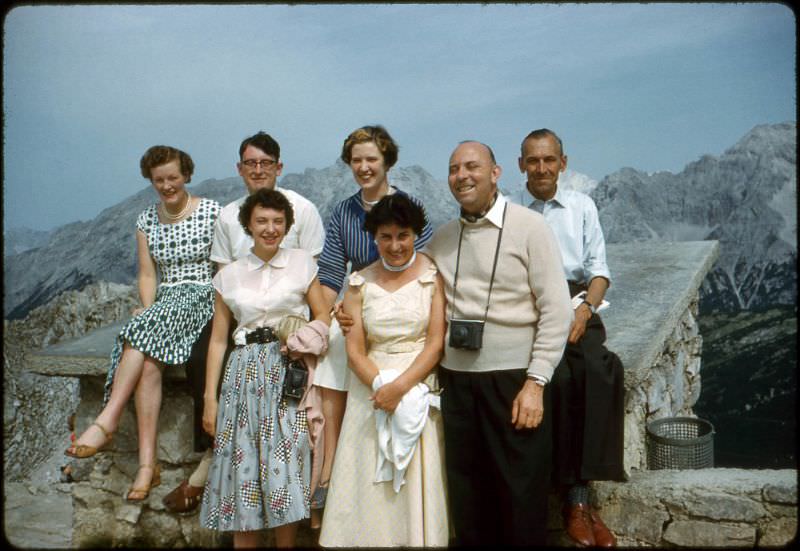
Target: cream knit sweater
[(530, 312)]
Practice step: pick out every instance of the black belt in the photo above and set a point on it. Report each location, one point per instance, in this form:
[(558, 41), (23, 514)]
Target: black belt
[(262, 335)]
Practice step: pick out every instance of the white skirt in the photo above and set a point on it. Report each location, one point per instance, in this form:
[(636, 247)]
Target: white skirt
[(332, 369)]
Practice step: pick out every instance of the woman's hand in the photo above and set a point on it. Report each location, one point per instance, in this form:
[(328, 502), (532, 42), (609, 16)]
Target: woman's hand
[(388, 396), (210, 417), (136, 311), (345, 320)]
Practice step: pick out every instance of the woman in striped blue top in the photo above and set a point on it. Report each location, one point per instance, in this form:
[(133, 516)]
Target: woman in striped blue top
[(371, 153)]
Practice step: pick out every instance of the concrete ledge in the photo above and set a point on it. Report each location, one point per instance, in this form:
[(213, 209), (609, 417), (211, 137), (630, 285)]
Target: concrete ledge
[(653, 284), (88, 355)]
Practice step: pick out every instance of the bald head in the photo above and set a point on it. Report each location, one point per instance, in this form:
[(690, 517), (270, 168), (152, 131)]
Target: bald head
[(473, 175)]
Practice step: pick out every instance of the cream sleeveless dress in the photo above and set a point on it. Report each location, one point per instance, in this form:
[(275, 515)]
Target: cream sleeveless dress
[(358, 511)]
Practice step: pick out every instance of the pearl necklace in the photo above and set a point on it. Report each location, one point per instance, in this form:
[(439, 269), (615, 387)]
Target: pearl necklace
[(175, 217), (399, 268)]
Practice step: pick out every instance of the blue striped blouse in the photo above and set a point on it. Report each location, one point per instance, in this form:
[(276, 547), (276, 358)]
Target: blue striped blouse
[(347, 240)]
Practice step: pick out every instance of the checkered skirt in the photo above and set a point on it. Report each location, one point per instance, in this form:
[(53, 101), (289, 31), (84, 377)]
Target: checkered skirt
[(261, 468)]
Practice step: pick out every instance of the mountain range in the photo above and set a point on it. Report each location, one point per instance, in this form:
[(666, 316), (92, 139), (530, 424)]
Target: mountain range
[(104, 249), (746, 199)]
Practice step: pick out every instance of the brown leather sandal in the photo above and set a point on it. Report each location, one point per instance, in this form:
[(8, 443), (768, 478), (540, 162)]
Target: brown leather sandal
[(140, 494), (82, 451), (183, 499)]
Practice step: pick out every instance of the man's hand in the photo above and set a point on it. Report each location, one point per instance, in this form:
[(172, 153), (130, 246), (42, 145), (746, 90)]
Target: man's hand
[(527, 410), (578, 328), (345, 321)]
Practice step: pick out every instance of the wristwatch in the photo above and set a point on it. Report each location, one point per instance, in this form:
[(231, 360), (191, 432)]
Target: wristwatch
[(592, 309)]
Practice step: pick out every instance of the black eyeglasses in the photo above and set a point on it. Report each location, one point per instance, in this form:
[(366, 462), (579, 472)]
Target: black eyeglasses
[(264, 163)]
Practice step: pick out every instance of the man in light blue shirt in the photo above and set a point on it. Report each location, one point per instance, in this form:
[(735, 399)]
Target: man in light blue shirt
[(587, 386)]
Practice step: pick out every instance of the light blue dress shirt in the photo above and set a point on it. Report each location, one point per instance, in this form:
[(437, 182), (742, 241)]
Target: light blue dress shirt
[(573, 217)]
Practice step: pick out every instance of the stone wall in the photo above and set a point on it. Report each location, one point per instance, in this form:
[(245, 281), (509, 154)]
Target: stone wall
[(670, 389), (36, 408), (701, 508)]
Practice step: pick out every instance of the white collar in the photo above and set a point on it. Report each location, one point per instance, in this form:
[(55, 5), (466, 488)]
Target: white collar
[(280, 260), (531, 200), (495, 214)]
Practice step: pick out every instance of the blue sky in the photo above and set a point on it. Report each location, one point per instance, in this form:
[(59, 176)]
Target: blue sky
[(87, 89)]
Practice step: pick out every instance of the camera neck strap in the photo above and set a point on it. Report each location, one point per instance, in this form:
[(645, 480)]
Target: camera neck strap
[(494, 266)]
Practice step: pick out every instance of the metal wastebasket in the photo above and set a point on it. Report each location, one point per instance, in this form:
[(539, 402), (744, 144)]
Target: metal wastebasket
[(680, 443)]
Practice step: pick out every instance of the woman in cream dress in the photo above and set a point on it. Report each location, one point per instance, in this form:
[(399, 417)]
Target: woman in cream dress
[(397, 306)]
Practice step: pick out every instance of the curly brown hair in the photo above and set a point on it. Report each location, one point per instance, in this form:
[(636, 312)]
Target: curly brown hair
[(162, 154), (376, 134)]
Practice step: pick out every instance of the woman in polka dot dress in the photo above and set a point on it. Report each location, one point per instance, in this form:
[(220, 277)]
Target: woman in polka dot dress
[(174, 242)]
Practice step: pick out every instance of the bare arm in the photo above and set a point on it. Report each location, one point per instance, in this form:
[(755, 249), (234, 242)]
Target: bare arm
[(389, 395), (329, 296), (146, 278), (217, 345), (315, 296)]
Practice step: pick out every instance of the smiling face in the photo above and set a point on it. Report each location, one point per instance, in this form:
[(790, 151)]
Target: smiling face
[(473, 177), (369, 169), (542, 161), (395, 243), (169, 183), (258, 169), (268, 228)]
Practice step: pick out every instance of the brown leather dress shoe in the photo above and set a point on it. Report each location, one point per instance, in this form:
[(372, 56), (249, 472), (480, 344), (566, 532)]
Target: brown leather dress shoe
[(602, 535), (578, 524)]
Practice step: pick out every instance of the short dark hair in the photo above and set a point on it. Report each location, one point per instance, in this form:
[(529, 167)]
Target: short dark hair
[(162, 154), (398, 209), (377, 135), (543, 133), (264, 142), (268, 199)]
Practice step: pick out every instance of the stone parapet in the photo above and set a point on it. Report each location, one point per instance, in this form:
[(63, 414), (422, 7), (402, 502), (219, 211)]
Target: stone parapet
[(652, 326), (701, 508)]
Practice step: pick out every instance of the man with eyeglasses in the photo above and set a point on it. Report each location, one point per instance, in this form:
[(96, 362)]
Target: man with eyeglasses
[(259, 166)]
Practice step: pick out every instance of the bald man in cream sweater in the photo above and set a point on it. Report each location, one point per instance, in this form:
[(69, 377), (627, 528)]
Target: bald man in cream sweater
[(509, 314)]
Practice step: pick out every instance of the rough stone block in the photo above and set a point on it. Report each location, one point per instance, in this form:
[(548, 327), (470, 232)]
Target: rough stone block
[(778, 533), (160, 530), (700, 533), (195, 535), (719, 506), (128, 512), (176, 429), (634, 519), (781, 493)]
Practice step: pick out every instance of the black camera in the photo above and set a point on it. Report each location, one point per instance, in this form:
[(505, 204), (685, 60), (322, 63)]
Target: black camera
[(294, 383), (466, 334)]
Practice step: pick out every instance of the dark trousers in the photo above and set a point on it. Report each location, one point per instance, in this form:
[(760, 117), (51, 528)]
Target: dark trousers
[(588, 411), (196, 375), (497, 477)]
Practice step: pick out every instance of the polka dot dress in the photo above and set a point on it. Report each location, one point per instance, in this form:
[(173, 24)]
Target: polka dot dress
[(184, 301)]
